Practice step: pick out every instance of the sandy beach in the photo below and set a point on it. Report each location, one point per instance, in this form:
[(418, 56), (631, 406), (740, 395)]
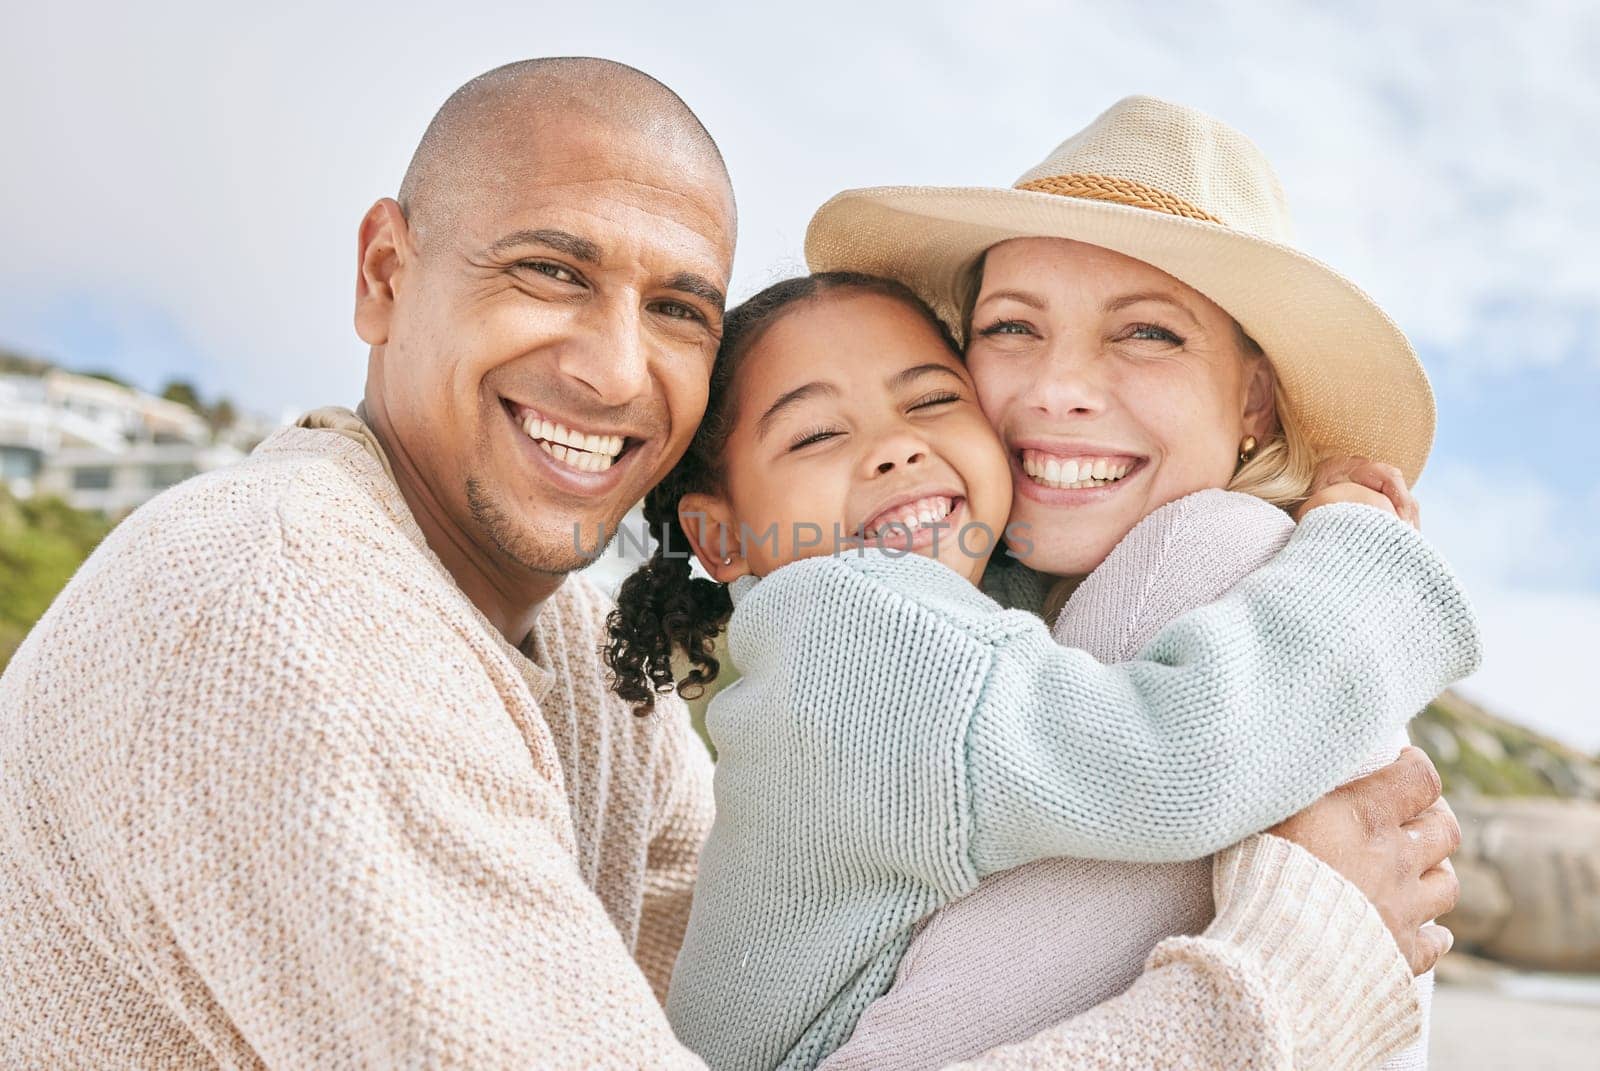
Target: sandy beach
[(1515, 1027)]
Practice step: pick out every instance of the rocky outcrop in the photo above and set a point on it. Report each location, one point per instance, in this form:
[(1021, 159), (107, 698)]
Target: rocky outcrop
[(1530, 882), (1529, 862), (1480, 755)]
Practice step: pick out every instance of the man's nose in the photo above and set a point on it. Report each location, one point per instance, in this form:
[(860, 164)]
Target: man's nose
[(611, 358)]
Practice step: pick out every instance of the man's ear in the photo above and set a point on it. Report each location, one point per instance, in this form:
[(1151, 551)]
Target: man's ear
[(1260, 400), (709, 524), (383, 247)]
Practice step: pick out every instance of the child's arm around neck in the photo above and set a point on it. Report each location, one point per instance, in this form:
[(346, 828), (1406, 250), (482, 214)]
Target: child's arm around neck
[(896, 737)]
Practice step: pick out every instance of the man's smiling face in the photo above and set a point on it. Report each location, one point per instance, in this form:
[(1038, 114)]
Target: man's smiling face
[(553, 326)]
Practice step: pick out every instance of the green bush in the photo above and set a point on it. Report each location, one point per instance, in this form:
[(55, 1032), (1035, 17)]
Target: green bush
[(42, 543)]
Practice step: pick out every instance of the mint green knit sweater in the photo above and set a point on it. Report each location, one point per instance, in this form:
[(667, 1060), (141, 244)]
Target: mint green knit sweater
[(896, 736)]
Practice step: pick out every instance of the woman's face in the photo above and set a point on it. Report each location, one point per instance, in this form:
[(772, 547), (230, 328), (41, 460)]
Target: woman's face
[(1116, 390), (854, 420)]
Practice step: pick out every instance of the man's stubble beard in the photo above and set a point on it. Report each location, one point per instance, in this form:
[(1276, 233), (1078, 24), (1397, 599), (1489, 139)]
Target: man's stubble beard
[(526, 550)]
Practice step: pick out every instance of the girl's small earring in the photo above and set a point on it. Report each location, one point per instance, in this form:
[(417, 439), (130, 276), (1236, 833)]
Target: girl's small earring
[(1247, 448), (728, 560)]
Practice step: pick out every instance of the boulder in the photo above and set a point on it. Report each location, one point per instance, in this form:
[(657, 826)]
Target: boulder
[(1530, 882)]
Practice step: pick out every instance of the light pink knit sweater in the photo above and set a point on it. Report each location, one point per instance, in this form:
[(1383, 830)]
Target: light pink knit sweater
[(1050, 940)]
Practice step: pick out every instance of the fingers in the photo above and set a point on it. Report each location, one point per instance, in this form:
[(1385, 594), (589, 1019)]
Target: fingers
[(1334, 470), (1440, 890), (1381, 477), (1346, 492), (1391, 483), (1432, 942), (1434, 834), (1355, 492), (1400, 791)]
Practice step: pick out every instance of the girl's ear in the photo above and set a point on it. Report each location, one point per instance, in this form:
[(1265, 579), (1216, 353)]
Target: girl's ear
[(1260, 401), (709, 524)]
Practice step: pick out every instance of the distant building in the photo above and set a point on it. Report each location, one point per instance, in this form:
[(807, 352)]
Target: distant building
[(100, 445)]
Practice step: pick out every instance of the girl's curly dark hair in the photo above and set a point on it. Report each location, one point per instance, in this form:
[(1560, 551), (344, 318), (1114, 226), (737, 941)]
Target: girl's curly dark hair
[(662, 608)]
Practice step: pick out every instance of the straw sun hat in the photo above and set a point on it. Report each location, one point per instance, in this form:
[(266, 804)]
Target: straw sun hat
[(1193, 197)]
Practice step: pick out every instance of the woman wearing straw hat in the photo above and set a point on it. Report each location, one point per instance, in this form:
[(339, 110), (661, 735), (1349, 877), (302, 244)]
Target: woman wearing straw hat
[(1166, 371)]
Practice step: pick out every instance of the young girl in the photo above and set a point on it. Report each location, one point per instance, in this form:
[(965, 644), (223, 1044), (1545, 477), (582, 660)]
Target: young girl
[(896, 736)]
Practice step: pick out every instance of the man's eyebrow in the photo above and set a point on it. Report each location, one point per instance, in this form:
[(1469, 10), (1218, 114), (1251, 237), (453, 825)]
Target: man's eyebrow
[(687, 282), (917, 371), (562, 241), (789, 399), (1118, 304)]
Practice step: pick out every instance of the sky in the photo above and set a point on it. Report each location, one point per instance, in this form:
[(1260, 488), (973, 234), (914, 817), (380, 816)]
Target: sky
[(181, 187)]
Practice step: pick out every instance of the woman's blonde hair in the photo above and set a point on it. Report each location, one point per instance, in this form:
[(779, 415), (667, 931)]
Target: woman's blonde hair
[(1280, 469)]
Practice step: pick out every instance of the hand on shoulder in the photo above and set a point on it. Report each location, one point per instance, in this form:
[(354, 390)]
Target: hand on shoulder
[(1391, 835), (1370, 483)]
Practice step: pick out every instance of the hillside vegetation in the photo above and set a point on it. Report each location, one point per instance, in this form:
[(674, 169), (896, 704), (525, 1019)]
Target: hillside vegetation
[(42, 543)]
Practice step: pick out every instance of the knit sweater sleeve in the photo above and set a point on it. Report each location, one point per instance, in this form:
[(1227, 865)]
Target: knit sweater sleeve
[(1184, 555), (683, 819), (1285, 977), (1235, 715), (364, 870)]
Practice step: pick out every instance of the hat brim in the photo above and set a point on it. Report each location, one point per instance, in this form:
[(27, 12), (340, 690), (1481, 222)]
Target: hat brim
[(1347, 370)]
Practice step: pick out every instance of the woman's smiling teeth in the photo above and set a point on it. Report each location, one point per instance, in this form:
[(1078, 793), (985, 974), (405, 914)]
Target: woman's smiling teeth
[(575, 449), (1074, 473), (911, 515)]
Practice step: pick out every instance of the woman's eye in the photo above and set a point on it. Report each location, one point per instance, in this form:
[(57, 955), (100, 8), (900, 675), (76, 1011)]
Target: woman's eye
[(1007, 327), (941, 398), (1152, 333)]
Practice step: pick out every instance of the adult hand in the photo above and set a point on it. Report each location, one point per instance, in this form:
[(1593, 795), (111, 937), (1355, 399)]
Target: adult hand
[(1355, 479), (1391, 834)]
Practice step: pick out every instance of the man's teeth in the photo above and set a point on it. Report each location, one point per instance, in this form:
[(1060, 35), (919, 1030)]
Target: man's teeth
[(1073, 473), (586, 453), (912, 515)]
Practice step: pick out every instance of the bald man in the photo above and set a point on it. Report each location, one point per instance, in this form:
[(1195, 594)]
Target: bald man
[(313, 763)]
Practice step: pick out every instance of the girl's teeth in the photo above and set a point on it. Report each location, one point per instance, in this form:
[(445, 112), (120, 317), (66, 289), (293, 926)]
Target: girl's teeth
[(923, 511)]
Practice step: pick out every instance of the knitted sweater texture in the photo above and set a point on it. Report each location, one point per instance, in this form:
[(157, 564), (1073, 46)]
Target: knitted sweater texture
[(1049, 940), (275, 794), (896, 737)]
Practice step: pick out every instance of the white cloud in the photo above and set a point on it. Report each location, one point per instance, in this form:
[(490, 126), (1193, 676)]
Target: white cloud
[(1522, 551), (1504, 527), (1539, 650), (213, 165)]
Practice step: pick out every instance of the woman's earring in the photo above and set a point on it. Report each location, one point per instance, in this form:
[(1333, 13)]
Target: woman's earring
[(1247, 448), (728, 560)]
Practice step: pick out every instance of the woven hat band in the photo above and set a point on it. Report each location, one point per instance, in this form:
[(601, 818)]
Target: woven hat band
[(1119, 191)]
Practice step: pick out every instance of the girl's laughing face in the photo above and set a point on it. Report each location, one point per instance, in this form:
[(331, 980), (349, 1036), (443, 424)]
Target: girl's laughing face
[(853, 420)]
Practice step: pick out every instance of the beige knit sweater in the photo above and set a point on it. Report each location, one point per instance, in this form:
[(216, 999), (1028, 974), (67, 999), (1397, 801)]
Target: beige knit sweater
[(273, 793)]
